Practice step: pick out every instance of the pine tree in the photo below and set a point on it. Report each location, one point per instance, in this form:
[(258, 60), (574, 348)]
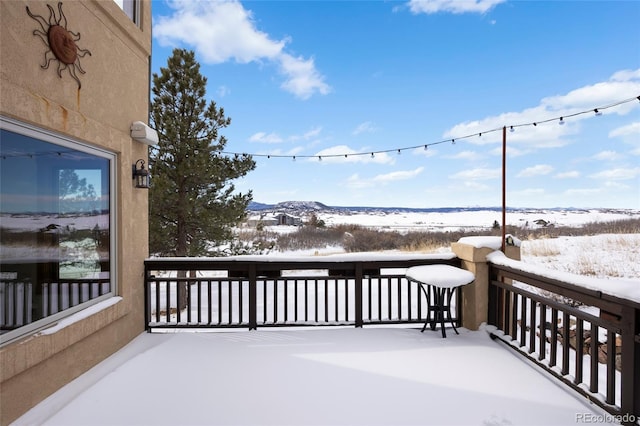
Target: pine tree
[(192, 201)]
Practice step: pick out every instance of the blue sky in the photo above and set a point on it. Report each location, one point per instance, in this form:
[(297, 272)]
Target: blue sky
[(319, 78)]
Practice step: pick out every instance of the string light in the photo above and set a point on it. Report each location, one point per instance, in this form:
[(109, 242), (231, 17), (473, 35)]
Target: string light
[(512, 129), (561, 121)]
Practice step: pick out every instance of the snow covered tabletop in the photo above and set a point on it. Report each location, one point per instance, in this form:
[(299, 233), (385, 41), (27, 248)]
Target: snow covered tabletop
[(443, 276)]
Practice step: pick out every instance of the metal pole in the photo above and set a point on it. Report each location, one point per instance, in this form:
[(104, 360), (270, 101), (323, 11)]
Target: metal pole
[(504, 186)]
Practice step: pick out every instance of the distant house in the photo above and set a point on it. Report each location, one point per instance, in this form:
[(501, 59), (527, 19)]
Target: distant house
[(272, 219), (285, 219), (74, 79)]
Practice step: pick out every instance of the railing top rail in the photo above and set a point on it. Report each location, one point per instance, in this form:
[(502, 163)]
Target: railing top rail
[(614, 292), (348, 260)]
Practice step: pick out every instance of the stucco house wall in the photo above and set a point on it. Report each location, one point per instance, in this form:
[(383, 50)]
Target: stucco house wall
[(114, 93)]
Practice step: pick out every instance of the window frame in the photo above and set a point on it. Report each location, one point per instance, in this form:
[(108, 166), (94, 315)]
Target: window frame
[(66, 141), (131, 8)]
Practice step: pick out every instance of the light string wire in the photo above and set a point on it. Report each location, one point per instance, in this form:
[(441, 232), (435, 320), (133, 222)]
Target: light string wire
[(560, 119)]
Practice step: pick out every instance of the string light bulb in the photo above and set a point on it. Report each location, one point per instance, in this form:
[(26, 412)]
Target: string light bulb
[(598, 113), (512, 129), (561, 122)]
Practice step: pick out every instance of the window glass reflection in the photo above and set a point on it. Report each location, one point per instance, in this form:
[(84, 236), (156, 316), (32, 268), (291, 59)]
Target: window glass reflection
[(54, 228)]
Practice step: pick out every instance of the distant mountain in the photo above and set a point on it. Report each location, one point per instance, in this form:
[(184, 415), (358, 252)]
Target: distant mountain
[(293, 207), (305, 207)]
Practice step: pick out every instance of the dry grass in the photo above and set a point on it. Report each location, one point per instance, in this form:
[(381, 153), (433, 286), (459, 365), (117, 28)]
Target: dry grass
[(611, 256)]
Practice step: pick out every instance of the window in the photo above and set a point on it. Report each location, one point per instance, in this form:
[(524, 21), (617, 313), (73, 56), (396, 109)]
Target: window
[(131, 8), (56, 227)]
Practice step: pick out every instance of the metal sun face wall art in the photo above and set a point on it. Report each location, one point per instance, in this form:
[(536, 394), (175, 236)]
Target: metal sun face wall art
[(61, 43)]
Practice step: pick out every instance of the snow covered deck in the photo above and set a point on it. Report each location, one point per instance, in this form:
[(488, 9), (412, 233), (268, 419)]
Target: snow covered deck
[(338, 376)]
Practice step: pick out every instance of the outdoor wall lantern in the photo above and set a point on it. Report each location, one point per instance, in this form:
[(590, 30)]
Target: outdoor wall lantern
[(140, 175)]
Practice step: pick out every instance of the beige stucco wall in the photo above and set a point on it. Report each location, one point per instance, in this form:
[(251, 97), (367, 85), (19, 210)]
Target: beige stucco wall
[(114, 93)]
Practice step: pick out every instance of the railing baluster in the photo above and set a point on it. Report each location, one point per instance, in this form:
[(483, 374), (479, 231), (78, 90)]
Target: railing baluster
[(593, 352), (399, 300), (390, 316), (230, 304), (409, 301), (315, 298), (523, 321), (506, 296), (265, 290), (565, 343), (209, 302), (240, 304), (199, 283), (326, 300), (286, 301), (275, 301), (579, 350), (306, 300), (543, 332), (158, 310), (611, 367), (532, 326), (168, 297), (514, 316), (219, 302), (295, 301), (380, 299), (335, 299), (554, 338), (346, 300)]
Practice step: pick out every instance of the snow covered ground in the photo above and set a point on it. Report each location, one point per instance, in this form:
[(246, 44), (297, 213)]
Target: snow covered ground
[(370, 376)]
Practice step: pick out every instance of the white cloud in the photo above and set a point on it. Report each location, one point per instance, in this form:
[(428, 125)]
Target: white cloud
[(342, 153), (222, 31), (262, 137), (583, 191), (617, 174), (628, 130), (568, 175), (429, 152), (399, 175), (313, 133), (550, 134), (467, 155), (356, 182), (303, 80), (223, 91), (366, 127), (452, 6), (478, 174), (607, 156), (537, 170)]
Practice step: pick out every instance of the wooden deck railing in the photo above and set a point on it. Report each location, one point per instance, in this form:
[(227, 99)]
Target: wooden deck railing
[(587, 339), (252, 292)]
